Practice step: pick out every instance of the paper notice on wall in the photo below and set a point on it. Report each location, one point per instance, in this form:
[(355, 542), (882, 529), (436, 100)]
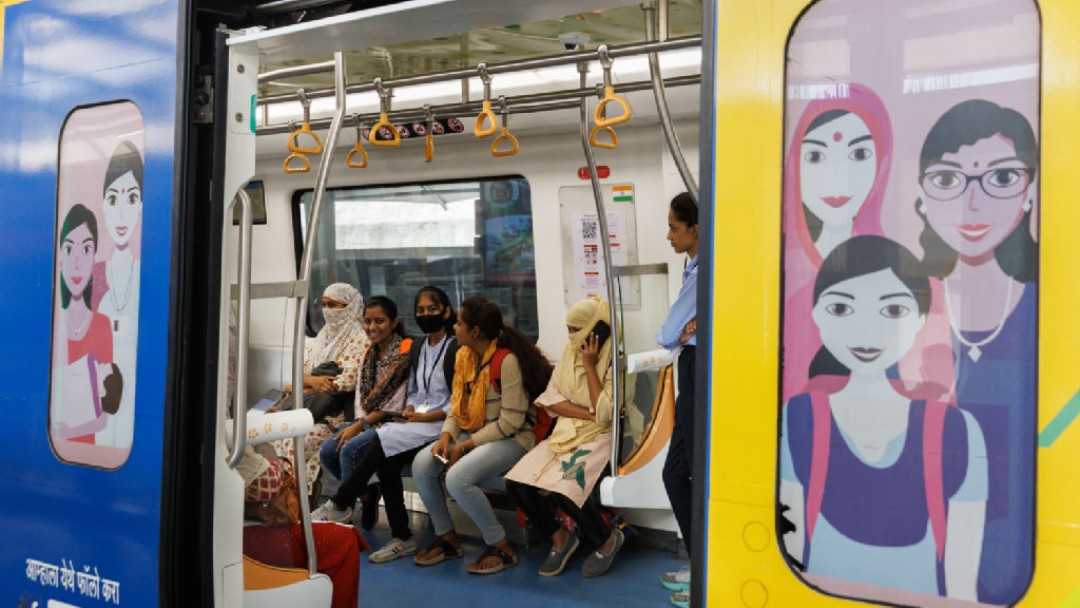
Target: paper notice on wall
[(589, 273)]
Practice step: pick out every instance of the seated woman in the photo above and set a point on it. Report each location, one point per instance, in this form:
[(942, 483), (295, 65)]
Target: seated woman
[(565, 467), (395, 445), (379, 392), (337, 547), (342, 342), (497, 373)]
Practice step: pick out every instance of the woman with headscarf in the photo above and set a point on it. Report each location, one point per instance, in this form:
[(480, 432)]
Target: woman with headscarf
[(567, 465), (342, 342)]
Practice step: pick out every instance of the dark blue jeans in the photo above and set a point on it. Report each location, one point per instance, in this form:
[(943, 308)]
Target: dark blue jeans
[(679, 465)]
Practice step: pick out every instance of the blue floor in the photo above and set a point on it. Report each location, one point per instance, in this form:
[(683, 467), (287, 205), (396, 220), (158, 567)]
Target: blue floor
[(634, 578)]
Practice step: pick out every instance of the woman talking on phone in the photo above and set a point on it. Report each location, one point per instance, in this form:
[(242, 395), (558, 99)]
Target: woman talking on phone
[(567, 465), (497, 374)]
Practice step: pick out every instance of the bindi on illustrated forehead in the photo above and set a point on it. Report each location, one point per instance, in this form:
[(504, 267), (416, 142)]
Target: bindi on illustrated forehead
[(837, 136)]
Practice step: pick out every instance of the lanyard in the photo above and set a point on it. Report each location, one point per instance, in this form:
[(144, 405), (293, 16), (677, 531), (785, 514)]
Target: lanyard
[(430, 372)]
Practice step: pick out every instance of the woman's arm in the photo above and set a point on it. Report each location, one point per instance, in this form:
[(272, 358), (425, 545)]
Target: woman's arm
[(350, 361), (966, 520), (513, 407)]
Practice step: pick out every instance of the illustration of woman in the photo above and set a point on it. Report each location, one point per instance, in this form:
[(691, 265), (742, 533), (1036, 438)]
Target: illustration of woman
[(834, 182), (122, 210), (878, 489), (977, 172), (87, 332)]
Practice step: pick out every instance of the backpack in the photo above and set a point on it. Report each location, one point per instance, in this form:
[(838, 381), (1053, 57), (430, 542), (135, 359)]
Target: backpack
[(544, 421), (933, 478)]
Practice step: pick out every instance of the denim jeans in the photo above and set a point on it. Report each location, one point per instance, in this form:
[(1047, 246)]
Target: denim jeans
[(340, 464), (486, 461)]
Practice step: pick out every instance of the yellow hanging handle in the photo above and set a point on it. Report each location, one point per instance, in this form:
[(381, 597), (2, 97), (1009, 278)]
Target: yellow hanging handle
[(429, 147), (289, 167), (384, 121), (600, 117), (613, 139), (507, 137), (350, 159), (293, 143), (486, 115)]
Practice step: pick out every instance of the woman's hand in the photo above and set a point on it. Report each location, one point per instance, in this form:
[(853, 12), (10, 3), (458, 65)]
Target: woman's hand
[(346, 434), (590, 351), (375, 417), (441, 448), (459, 451), (688, 331), (322, 384)]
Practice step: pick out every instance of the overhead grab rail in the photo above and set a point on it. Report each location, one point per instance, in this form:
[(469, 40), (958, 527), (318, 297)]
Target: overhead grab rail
[(505, 135), (358, 148), (653, 30), (600, 116), (628, 50), (237, 442), (429, 134), (605, 248), (384, 118), (485, 115), (523, 104)]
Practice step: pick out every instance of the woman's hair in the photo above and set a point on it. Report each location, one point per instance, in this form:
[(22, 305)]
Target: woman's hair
[(77, 216), (389, 308), (685, 209), (860, 256), (963, 125), (439, 296), (114, 391), (485, 315), (125, 158)]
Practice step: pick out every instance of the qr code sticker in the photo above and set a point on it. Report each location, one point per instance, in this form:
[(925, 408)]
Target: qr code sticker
[(589, 228)]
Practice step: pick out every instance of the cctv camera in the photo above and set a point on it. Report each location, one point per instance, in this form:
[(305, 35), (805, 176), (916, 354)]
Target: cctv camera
[(573, 40)]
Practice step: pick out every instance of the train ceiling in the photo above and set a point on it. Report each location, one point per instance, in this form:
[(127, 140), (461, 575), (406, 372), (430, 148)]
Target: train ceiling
[(613, 27)]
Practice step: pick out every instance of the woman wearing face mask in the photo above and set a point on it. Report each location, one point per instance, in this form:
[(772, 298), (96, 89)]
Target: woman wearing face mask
[(121, 207), (567, 465), (380, 392), (879, 490), (341, 341), (428, 400)]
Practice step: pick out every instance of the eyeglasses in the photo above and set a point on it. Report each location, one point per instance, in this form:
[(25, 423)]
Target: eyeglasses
[(948, 184)]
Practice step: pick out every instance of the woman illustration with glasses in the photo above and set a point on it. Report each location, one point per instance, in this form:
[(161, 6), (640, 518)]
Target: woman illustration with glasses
[(977, 172)]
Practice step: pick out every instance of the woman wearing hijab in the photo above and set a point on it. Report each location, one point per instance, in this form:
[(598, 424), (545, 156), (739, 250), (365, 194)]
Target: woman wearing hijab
[(567, 465), (341, 341)]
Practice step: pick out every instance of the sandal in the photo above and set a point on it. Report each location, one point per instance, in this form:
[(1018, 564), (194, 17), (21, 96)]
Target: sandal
[(447, 551), (506, 560)]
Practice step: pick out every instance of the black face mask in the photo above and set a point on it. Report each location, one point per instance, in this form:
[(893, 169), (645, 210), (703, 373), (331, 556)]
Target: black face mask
[(430, 324)]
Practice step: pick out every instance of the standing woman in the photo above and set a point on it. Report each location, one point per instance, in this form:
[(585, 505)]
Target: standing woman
[(341, 341), (395, 445), (567, 465), (679, 332), (497, 374)]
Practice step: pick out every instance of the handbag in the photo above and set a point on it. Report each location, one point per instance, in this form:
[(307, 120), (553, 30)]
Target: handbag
[(282, 510)]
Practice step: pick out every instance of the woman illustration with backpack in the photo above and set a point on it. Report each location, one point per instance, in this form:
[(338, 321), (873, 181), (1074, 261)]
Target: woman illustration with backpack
[(879, 489), (498, 373)]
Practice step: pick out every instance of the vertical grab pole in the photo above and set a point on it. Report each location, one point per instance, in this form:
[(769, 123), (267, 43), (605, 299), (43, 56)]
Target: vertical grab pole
[(605, 247), (243, 322), (303, 276), (661, 99)]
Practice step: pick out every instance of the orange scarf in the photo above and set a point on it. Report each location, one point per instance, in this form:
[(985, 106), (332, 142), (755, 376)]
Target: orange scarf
[(468, 398)]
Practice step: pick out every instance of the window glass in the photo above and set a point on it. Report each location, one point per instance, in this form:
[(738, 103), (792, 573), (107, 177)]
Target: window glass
[(471, 238), (910, 291)]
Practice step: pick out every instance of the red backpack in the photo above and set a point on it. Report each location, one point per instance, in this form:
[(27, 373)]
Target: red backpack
[(933, 434), (544, 421)]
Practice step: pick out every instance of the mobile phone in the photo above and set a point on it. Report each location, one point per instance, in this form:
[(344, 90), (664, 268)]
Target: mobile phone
[(271, 399), (393, 415), (602, 331), (441, 458)]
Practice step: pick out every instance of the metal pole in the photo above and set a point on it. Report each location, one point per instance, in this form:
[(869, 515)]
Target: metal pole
[(522, 104), (243, 322), (661, 100), (278, 7), (605, 247), (628, 50), (304, 275)]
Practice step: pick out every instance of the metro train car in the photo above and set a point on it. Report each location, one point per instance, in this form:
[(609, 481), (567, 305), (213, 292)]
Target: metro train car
[(865, 433)]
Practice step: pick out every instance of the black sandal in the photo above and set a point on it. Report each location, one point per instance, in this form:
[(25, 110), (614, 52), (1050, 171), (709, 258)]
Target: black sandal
[(506, 560), (449, 551)]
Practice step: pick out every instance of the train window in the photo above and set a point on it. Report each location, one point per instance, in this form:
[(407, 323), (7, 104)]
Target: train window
[(910, 288), (95, 327), (471, 238)]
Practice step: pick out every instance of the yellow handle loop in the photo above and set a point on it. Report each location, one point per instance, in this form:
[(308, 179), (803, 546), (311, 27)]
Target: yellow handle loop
[(599, 117), (384, 121), (613, 139), (504, 136), (486, 115), (293, 145), (429, 147), (287, 168), (357, 149)]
